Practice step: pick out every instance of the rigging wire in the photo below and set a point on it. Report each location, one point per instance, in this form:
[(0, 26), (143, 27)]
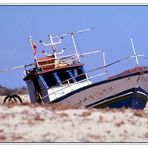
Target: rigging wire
[(16, 67), (108, 65)]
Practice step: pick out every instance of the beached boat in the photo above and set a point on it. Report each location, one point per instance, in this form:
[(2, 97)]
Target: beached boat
[(64, 81)]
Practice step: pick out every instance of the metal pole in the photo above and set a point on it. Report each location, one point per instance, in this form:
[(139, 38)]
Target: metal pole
[(30, 39), (75, 47), (134, 51), (74, 32), (52, 46), (104, 62)]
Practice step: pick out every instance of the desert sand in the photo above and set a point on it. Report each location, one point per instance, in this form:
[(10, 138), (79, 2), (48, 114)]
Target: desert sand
[(46, 123)]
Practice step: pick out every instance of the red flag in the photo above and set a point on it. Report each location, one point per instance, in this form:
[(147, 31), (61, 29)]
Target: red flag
[(34, 47)]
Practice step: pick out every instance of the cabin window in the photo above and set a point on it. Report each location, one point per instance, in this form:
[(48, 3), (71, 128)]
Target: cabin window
[(57, 77), (63, 75), (80, 74), (71, 76), (75, 72), (51, 79)]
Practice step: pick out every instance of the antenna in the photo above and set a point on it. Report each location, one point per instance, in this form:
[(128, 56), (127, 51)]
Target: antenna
[(52, 44), (134, 51), (72, 34), (74, 42)]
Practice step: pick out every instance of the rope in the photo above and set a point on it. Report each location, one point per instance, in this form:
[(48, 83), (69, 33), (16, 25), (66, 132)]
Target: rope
[(109, 64), (120, 60)]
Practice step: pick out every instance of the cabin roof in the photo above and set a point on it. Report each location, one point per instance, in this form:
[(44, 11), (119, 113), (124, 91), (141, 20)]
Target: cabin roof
[(61, 67)]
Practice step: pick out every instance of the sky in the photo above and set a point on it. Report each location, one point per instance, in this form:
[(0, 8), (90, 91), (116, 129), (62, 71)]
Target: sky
[(113, 28)]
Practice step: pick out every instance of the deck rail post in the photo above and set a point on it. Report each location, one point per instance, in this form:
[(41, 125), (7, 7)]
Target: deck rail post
[(104, 64)]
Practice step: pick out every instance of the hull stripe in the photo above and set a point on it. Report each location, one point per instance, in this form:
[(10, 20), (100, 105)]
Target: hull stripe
[(95, 84), (122, 94)]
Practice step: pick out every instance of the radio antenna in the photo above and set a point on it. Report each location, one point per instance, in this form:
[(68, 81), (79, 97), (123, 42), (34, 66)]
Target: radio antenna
[(72, 34)]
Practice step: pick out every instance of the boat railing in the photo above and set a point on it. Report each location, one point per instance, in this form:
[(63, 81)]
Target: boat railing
[(51, 63), (76, 59), (87, 80)]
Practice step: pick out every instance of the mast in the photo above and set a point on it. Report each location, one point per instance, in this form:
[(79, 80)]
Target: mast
[(73, 36), (52, 44), (134, 51), (74, 44)]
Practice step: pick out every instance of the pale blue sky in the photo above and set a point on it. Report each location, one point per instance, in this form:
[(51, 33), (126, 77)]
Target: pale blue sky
[(113, 28)]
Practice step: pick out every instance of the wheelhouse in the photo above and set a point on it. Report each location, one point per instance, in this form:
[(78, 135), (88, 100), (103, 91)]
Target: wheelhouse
[(55, 76), (64, 76)]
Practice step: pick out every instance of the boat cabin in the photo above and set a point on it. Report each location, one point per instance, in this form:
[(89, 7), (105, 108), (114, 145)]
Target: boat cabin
[(48, 81), (54, 76)]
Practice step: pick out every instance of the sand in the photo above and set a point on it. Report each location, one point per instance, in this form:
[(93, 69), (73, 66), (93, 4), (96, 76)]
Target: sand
[(36, 123)]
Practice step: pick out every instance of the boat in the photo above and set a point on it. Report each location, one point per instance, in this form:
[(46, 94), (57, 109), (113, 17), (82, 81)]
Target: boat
[(62, 80)]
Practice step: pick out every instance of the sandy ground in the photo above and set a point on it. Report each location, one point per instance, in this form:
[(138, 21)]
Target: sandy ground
[(34, 123)]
